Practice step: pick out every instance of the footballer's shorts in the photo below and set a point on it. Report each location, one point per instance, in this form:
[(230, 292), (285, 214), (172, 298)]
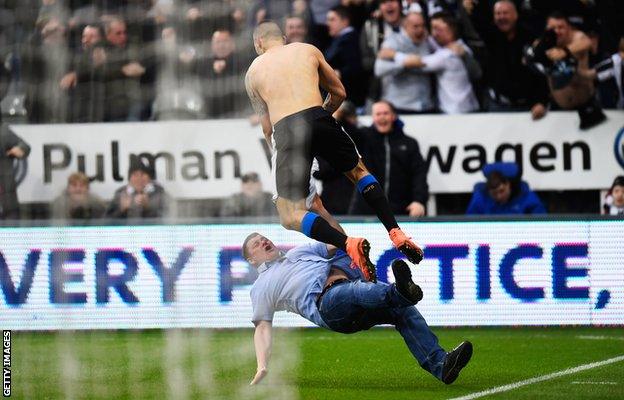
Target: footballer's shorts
[(297, 140)]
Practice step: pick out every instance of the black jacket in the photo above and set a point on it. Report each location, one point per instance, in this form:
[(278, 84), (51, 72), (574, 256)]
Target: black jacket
[(344, 55), (157, 207), (505, 71), (9, 206), (403, 175)]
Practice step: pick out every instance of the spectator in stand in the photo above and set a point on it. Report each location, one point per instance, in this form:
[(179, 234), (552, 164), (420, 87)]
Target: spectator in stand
[(142, 197), (453, 65), (76, 202), (252, 201), (295, 29), (610, 76), (275, 10), (177, 86), (337, 192), (404, 84), (344, 55), (359, 11), (504, 192), (614, 202), (12, 148), (395, 160), (318, 24), (562, 54), (86, 91), (202, 17), (376, 29), (121, 72), (224, 88), (510, 84), (53, 9), (43, 64)]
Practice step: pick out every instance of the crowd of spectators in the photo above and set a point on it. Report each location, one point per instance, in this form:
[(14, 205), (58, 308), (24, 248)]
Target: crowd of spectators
[(125, 60), (132, 60)]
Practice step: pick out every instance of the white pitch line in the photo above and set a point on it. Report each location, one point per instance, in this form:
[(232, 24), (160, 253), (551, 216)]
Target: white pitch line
[(542, 378), (597, 337)]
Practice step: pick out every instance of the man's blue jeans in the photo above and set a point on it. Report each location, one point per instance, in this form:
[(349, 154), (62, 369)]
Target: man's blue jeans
[(358, 305)]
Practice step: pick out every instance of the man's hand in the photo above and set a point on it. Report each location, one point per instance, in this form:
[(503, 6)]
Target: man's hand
[(124, 202), (538, 111), (386, 54), (16, 152), (413, 61), (68, 81), (141, 200), (556, 54), (415, 209), (133, 70), (260, 374), (98, 56), (456, 48), (218, 66)]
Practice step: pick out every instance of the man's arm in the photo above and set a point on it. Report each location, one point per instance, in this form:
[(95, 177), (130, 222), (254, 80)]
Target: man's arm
[(580, 44), (330, 82), (262, 343), (260, 107)]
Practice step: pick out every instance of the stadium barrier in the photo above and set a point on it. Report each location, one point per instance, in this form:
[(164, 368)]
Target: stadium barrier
[(204, 159), (522, 272)]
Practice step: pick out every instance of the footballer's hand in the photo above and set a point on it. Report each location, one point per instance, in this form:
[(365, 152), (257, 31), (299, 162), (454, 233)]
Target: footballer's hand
[(260, 374)]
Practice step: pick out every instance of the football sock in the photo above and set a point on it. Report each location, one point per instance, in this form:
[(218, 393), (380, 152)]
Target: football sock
[(376, 199)]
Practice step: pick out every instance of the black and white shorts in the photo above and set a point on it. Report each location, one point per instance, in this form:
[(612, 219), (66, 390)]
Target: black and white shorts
[(297, 140)]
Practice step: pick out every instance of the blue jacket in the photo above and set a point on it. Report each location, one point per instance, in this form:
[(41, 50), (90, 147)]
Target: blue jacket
[(525, 202)]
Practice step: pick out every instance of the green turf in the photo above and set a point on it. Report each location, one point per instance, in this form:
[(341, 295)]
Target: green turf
[(308, 364)]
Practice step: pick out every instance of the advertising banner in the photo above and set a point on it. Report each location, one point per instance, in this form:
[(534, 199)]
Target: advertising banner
[(204, 159), (474, 273)]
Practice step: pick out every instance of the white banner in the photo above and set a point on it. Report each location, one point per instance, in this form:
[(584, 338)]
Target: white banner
[(485, 273), (204, 159)]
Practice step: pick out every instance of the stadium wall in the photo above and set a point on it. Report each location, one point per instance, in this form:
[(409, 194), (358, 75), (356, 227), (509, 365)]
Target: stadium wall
[(474, 273), (204, 159)]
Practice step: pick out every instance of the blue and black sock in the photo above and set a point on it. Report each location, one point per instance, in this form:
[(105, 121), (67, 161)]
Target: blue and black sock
[(315, 227), (376, 199)]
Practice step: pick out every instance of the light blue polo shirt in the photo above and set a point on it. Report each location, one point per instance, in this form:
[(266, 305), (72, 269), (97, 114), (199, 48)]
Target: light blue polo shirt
[(292, 283)]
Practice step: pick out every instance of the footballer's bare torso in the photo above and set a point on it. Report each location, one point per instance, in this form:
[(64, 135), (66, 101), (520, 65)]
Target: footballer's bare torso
[(287, 79)]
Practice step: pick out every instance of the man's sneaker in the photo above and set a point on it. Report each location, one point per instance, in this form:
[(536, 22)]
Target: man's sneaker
[(357, 249), (456, 359), (406, 246), (403, 281)]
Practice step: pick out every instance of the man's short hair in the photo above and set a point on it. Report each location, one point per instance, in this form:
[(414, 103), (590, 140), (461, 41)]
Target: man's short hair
[(449, 20), (342, 12), (244, 250), (558, 15), (78, 177), (268, 30), (507, 1), (250, 177), (97, 26), (389, 104), (110, 20)]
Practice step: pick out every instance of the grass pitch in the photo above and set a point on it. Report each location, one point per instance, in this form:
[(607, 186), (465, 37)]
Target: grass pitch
[(309, 364)]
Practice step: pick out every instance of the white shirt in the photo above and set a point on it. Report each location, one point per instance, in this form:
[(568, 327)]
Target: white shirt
[(455, 93), (617, 69)]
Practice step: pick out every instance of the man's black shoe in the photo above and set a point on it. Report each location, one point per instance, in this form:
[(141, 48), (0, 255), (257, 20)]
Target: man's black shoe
[(403, 281), (456, 359)]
